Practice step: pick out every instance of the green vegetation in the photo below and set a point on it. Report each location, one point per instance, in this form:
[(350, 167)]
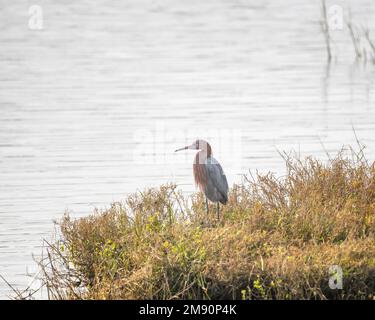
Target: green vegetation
[(276, 239)]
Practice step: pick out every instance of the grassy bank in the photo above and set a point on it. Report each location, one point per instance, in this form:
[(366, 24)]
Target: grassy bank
[(276, 240)]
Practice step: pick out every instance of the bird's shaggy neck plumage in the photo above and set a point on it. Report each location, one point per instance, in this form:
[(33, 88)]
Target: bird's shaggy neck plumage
[(200, 174)]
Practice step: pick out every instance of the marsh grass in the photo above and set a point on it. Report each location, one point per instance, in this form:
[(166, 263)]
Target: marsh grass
[(276, 239)]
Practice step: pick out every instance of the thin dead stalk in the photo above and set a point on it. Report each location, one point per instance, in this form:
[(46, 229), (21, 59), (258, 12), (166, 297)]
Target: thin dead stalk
[(325, 30)]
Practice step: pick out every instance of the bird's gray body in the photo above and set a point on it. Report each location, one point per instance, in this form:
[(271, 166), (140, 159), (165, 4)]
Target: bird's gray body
[(216, 188)]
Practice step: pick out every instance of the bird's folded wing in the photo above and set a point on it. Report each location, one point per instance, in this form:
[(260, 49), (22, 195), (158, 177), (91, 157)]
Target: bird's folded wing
[(216, 175)]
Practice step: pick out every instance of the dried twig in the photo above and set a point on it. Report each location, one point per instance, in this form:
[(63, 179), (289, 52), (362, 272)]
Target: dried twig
[(355, 39), (325, 29)]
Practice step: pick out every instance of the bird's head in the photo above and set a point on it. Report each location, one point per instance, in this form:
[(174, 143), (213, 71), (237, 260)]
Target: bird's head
[(198, 144)]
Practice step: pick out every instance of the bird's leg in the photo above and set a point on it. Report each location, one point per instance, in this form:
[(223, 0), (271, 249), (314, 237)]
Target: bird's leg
[(218, 211), (207, 205)]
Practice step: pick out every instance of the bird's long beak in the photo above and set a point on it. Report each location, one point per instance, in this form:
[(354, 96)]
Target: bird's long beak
[(184, 148)]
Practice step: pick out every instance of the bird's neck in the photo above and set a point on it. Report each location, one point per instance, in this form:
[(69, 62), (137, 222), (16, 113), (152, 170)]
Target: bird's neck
[(203, 154)]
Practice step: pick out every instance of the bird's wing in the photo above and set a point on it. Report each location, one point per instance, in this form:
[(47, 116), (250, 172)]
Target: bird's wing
[(216, 174)]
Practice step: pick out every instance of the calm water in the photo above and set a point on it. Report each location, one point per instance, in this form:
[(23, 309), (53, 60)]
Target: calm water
[(93, 105)]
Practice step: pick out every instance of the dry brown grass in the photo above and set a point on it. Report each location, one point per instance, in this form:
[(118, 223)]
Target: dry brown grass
[(276, 240)]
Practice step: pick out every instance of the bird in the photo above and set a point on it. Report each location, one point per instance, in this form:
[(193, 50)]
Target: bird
[(208, 174)]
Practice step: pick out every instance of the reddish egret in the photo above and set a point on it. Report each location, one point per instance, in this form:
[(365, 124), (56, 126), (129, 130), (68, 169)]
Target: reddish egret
[(208, 174)]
